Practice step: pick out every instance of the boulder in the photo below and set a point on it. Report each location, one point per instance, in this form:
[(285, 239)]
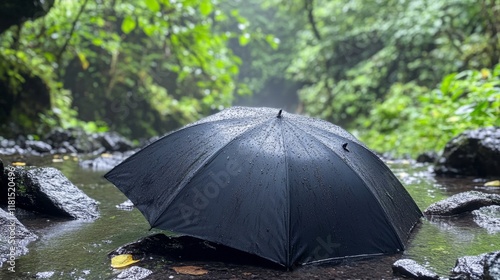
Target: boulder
[(492, 266), (488, 217), (462, 202), (468, 268), (134, 273), (410, 268), (472, 153), (47, 190), (13, 231), (484, 266)]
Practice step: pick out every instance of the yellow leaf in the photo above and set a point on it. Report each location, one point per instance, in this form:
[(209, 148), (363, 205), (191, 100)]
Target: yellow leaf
[(495, 183), (122, 261), (19, 163), (190, 270), (485, 73), (83, 60)]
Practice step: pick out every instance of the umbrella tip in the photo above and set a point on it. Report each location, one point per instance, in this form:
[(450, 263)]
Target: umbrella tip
[(279, 113), (345, 147)]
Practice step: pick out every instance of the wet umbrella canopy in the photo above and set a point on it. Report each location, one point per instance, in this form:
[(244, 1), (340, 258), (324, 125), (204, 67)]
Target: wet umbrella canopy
[(289, 188)]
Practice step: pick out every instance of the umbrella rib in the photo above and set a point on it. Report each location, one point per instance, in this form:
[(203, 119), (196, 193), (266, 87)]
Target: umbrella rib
[(204, 163), (361, 178), (288, 231)]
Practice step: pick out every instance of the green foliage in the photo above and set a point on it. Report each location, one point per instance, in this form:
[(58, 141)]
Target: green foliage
[(140, 67), (413, 119), (354, 51)]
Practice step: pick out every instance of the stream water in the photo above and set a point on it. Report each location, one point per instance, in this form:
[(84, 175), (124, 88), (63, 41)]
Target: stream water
[(78, 250)]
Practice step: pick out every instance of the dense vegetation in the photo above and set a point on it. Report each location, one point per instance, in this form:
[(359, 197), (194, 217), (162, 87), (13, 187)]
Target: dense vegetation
[(404, 75)]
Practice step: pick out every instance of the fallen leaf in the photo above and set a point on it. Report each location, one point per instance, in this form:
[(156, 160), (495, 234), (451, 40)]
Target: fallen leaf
[(121, 261), (495, 183), (190, 270)]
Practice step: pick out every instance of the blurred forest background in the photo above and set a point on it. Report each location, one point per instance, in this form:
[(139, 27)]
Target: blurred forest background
[(403, 75)]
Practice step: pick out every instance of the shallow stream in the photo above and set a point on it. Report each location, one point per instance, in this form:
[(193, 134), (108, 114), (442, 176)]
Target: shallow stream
[(78, 250)]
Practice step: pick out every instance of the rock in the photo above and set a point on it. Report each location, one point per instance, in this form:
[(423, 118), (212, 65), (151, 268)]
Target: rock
[(462, 202), (488, 217), (38, 146), (77, 139), (58, 136), (21, 236), (427, 157), (473, 153), (114, 142), (469, 268), (6, 143), (44, 275), (410, 268), (47, 190), (105, 161), (492, 266), (126, 205), (134, 273), (62, 141)]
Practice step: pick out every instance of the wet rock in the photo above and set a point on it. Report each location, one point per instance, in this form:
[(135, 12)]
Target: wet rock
[(47, 190), (469, 268), (134, 273), (473, 153), (77, 139), (105, 161), (410, 268), (492, 266), (488, 217), (62, 141), (86, 144), (11, 230), (44, 275), (58, 136), (462, 202), (427, 157), (38, 146), (113, 142), (6, 143), (126, 205)]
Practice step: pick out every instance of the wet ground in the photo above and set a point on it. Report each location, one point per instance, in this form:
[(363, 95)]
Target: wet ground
[(78, 250)]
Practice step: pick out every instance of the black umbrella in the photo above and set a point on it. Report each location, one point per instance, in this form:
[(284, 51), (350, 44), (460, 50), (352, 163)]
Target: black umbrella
[(289, 188)]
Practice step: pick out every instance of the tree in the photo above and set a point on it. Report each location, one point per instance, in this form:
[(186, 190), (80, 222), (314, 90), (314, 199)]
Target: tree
[(140, 67)]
